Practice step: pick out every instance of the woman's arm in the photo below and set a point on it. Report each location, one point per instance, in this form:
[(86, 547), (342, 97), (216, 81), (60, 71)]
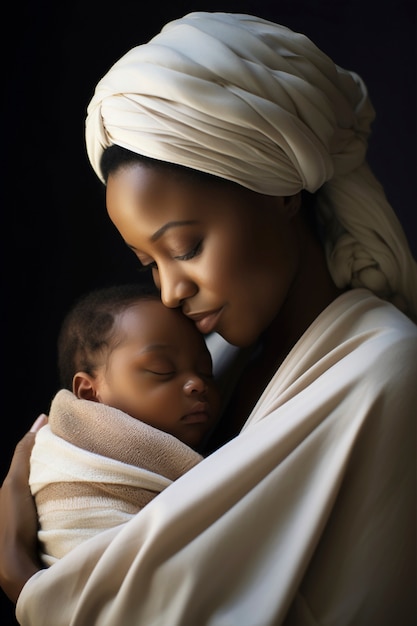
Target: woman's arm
[(18, 520)]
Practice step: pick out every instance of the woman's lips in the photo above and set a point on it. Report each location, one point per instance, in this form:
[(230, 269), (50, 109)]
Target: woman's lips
[(206, 322)]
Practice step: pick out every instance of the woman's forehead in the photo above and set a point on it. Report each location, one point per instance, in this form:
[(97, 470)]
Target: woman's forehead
[(151, 192)]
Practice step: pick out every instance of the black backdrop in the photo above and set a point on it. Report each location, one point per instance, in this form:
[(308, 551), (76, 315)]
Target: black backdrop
[(56, 238)]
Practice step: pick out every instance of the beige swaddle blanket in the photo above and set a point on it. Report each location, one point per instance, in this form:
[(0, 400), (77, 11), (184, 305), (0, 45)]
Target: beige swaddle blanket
[(94, 467)]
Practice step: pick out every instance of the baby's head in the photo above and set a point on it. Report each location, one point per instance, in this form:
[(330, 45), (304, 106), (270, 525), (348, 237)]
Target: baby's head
[(121, 346)]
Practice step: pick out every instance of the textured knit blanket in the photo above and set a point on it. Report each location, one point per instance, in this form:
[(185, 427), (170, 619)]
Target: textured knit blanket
[(94, 467)]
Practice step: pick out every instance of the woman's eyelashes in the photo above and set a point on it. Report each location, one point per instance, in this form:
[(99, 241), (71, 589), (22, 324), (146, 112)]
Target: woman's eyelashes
[(191, 254), (195, 251)]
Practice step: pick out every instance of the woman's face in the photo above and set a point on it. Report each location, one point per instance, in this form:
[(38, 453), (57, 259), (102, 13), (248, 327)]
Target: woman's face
[(224, 254)]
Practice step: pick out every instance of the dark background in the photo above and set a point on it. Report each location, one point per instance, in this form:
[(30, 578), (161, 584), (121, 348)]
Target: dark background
[(56, 239)]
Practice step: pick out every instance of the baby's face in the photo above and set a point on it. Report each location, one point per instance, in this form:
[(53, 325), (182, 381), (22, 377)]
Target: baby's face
[(160, 371)]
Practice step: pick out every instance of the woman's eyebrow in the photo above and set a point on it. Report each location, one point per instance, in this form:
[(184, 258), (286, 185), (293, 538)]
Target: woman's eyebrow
[(164, 228), (169, 225)]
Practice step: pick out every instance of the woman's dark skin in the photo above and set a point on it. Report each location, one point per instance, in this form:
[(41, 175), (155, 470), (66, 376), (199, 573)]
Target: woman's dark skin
[(18, 538), (260, 268), (262, 366), (289, 264)]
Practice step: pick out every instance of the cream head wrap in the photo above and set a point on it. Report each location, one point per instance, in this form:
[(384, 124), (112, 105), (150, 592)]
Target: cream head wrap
[(253, 102)]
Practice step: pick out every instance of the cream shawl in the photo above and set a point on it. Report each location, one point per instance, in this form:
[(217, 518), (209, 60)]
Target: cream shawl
[(253, 102), (307, 517), (94, 467)]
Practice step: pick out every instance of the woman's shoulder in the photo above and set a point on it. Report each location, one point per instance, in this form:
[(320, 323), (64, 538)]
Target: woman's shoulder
[(359, 337), (359, 312)]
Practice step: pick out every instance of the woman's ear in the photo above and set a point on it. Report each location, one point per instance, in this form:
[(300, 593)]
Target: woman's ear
[(84, 387)]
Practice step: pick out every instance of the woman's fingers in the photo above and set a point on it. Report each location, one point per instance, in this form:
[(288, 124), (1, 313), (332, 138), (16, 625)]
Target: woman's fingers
[(39, 422), (18, 519)]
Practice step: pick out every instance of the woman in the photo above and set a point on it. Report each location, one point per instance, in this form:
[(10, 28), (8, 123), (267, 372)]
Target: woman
[(304, 513)]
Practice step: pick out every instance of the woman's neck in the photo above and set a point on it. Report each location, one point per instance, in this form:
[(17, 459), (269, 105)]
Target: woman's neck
[(310, 293)]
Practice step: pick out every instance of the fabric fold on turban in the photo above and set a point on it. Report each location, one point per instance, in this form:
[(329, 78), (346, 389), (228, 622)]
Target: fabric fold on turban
[(253, 102)]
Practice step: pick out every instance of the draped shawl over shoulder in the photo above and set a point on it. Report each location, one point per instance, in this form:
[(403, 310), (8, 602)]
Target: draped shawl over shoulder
[(307, 517), (251, 101)]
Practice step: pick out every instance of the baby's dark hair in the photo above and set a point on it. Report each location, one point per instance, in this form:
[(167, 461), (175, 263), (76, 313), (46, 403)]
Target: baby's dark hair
[(86, 333)]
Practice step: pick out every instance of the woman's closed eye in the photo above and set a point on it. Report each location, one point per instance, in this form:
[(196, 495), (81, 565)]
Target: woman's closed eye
[(191, 254), (195, 251)]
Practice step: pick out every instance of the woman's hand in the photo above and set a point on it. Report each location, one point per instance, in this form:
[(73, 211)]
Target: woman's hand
[(19, 558)]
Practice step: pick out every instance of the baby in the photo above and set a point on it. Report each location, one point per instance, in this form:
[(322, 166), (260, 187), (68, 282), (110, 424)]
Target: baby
[(138, 400)]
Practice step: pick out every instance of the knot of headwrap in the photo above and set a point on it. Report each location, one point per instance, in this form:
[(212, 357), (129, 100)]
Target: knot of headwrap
[(253, 102)]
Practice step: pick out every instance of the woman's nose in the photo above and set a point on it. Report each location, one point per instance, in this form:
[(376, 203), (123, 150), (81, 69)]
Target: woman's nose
[(195, 384), (175, 287)]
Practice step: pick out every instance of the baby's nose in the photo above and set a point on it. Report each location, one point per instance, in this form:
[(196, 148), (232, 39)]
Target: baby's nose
[(194, 384)]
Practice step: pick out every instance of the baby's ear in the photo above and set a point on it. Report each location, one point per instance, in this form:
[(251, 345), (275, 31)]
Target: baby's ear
[(84, 387)]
